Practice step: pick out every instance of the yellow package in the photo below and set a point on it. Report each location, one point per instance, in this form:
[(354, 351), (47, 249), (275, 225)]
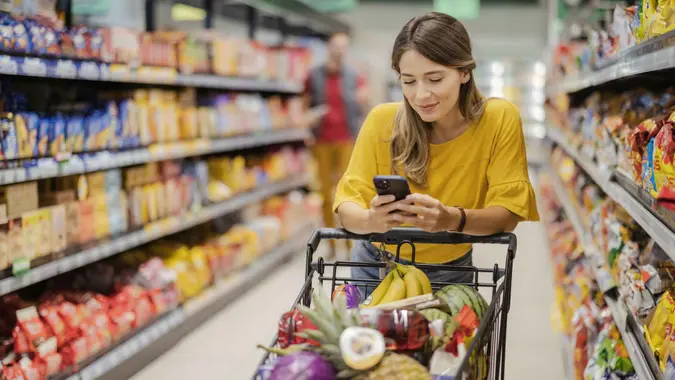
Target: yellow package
[(668, 345), (143, 115), (45, 232), (170, 114), (660, 325), (200, 263), (187, 284)]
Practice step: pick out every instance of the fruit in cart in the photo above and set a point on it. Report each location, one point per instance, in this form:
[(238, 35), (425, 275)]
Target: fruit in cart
[(449, 326), (399, 367), (302, 366), (361, 347), (418, 274), (396, 291), (351, 293), (413, 287), (456, 296), (376, 296)]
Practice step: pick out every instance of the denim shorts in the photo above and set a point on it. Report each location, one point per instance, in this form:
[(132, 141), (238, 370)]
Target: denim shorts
[(366, 252)]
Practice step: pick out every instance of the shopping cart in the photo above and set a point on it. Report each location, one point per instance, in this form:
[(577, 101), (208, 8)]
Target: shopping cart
[(490, 339)]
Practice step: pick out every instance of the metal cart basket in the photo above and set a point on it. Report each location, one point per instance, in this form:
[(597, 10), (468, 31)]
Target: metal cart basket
[(490, 339)]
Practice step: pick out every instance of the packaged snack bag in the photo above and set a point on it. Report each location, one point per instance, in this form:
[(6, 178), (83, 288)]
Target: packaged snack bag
[(44, 131), (10, 142), (648, 182), (24, 136), (659, 326), (57, 137), (20, 34), (57, 327), (32, 326), (75, 134), (664, 153)]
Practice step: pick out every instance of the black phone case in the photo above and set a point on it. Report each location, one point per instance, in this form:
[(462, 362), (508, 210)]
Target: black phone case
[(391, 185)]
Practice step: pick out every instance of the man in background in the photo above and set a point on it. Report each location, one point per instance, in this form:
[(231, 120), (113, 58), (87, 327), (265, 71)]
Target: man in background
[(338, 96)]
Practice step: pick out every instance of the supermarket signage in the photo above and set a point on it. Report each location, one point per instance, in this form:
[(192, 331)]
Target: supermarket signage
[(90, 7), (332, 5), (459, 9)]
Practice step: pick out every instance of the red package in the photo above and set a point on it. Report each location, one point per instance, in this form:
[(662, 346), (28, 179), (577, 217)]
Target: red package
[(122, 320), (31, 371), (48, 360), (97, 303), (144, 312), (51, 364), (21, 345), (74, 351), (156, 296), (402, 329), (666, 198), (290, 324), (31, 325), (99, 325), (12, 372), (73, 315), (54, 322)]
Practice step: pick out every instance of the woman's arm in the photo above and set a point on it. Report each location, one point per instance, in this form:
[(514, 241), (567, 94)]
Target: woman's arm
[(354, 218), (431, 215)]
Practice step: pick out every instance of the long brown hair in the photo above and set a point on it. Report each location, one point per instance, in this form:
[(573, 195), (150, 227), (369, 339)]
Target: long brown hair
[(443, 40)]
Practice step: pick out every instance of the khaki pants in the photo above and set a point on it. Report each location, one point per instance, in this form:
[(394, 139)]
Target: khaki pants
[(332, 159)]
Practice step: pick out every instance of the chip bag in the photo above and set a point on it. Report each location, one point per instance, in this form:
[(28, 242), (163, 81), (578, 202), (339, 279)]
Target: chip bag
[(660, 326)]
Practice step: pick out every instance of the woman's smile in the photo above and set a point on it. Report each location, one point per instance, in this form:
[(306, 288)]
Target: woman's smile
[(427, 108)]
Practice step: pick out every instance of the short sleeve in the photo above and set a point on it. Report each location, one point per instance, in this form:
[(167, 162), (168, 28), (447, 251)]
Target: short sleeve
[(356, 185), (508, 180)]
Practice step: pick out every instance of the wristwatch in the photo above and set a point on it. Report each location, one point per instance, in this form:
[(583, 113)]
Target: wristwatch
[(462, 220)]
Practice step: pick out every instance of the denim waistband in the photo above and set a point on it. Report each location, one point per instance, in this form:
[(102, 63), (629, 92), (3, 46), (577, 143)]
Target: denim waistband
[(373, 253)]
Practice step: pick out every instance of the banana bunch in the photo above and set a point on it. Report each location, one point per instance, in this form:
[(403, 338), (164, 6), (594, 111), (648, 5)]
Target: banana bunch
[(403, 281)]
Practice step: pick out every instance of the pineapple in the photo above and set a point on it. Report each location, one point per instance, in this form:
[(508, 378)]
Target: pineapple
[(331, 321), (399, 367)]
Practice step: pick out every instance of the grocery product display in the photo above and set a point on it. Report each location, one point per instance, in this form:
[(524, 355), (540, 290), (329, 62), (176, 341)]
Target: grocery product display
[(53, 327)]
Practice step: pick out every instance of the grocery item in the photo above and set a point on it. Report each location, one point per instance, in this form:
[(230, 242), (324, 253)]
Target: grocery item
[(302, 365), (361, 348), (456, 296), (350, 292)]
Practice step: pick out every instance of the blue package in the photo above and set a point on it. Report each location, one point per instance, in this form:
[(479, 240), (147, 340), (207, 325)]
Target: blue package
[(127, 127), (75, 134), (44, 131), (6, 33), (648, 180), (21, 37), (37, 42), (57, 135), (10, 143)]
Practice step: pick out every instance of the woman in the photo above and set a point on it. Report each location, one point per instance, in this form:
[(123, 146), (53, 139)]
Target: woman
[(464, 156)]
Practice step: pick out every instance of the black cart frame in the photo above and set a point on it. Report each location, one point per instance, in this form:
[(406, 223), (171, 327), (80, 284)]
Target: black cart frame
[(490, 339)]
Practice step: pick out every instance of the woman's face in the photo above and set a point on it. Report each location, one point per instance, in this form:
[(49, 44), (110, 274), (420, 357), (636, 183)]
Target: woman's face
[(430, 88)]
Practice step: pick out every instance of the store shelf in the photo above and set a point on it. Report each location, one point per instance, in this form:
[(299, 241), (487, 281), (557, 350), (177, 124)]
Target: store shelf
[(150, 233), (619, 311), (66, 69), (91, 162), (653, 55), (661, 233), (184, 319)]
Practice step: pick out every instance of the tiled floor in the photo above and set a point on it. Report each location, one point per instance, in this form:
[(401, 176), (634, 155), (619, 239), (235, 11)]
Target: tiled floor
[(534, 351)]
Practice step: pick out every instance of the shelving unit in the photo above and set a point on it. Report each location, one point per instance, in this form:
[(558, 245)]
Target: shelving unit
[(661, 233), (640, 359), (91, 162), (65, 69), (653, 55), (150, 233), (160, 335)]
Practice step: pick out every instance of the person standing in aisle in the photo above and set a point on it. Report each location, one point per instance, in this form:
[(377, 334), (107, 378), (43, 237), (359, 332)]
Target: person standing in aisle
[(339, 91), (462, 154)]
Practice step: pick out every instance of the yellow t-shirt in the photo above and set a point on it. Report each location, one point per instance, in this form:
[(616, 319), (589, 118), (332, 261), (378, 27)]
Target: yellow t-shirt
[(485, 166)]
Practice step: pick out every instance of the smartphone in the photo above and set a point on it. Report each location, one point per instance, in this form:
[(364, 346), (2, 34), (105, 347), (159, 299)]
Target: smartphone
[(391, 185)]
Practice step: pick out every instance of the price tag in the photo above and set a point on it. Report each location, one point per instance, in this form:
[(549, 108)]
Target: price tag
[(34, 67), (8, 65), (20, 266), (89, 71), (65, 69)]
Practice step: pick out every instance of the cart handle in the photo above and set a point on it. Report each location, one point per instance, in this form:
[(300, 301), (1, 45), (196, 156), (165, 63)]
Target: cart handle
[(408, 234)]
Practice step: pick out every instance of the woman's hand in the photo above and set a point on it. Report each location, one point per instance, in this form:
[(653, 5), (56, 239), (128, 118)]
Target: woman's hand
[(427, 213), (380, 218)]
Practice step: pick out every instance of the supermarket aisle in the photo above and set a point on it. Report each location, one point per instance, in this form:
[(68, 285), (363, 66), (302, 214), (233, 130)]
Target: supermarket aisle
[(224, 347)]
